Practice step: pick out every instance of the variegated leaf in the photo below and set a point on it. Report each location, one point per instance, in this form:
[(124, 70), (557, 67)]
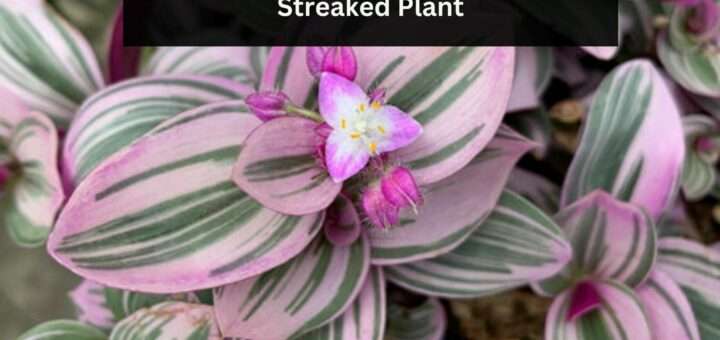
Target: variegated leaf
[(170, 320), (619, 316), (44, 60), (688, 63), (667, 309), (164, 216), (539, 190), (241, 64), (424, 322), (303, 294), (278, 167), (63, 330), (696, 268), (458, 94), (34, 192), (698, 174), (117, 116), (89, 301), (632, 144), (534, 67), (610, 240), (123, 303), (459, 204), (363, 320), (516, 245)]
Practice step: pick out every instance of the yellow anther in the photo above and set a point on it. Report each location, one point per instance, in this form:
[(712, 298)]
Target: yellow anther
[(373, 147), (381, 129), (355, 135), (343, 123), (375, 105), (362, 107)]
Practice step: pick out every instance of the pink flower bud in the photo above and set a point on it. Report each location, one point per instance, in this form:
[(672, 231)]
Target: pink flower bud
[(378, 210), (399, 188), (341, 61), (314, 59), (338, 60), (267, 105), (704, 18)]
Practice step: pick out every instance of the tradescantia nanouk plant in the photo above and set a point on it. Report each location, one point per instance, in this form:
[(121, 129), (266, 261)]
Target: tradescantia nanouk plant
[(208, 190)]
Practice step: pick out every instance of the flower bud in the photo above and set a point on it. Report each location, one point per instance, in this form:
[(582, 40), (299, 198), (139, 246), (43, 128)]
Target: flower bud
[(584, 299), (399, 188), (267, 105), (708, 148), (378, 210), (705, 18), (338, 60)]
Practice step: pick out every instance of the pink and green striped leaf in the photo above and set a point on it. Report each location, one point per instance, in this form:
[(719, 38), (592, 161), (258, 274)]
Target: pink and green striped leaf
[(34, 193), (460, 204), (534, 66), (667, 309), (164, 216), (88, 298), (63, 330), (278, 167), (117, 116), (632, 144), (696, 268), (620, 316), (170, 320), (516, 245), (699, 175), (44, 60), (458, 94), (303, 294), (687, 62), (424, 322), (363, 320), (610, 240), (241, 64)]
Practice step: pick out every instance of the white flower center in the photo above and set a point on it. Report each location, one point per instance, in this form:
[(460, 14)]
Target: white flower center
[(364, 124)]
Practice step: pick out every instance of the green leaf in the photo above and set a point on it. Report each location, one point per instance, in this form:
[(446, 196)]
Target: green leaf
[(63, 330), (424, 322), (170, 320)]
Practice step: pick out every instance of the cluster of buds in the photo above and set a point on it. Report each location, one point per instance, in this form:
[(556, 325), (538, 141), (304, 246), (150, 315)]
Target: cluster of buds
[(396, 190)]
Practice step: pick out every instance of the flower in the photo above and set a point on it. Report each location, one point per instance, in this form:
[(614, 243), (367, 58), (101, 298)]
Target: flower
[(267, 105), (338, 60), (361, 128)]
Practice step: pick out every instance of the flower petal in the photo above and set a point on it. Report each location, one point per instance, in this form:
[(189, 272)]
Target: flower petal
[(344, 157), (303, 294), (339, 97), (399, 129), (163, 215), (277, 167), (621, 316), (459, 204), (667, 308)]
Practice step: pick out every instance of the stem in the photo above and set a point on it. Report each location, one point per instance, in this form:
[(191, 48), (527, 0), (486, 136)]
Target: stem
[(305, 113)]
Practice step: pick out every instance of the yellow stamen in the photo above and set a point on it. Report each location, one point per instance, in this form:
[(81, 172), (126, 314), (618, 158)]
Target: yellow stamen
[(355, 135), (375, 105), (362, 107), (343, 123), (373, 147), (381, 129)]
